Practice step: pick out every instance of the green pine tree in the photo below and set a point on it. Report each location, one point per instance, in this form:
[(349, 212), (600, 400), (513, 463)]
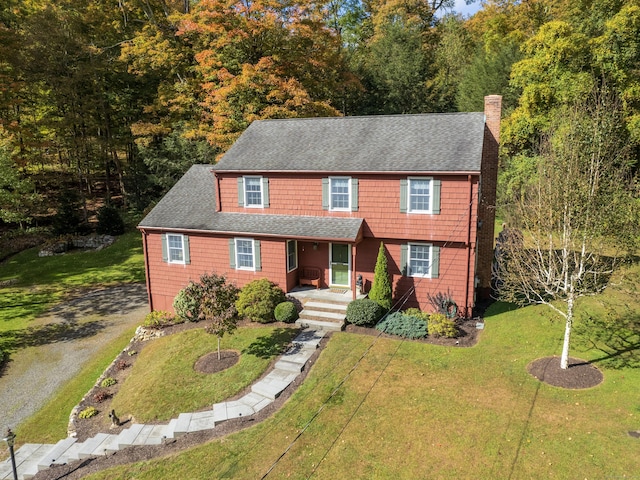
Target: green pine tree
[(381, 289)]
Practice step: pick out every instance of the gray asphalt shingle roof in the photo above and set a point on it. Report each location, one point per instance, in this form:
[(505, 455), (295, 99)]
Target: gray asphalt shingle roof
[(190, 205), (386, 143), (412, 143)]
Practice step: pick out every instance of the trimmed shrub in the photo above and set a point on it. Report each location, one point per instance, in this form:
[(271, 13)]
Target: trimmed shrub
[(286, 312), (403, 325), (441, 326), (101, 396), (258, 300), (381, 292), (159, 319), (88, 412), (416, 312), (108, 382), (188, 301), (364, 312), (109, 221)]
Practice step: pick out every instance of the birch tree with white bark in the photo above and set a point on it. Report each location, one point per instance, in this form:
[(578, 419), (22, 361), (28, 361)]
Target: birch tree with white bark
[(575, 220)]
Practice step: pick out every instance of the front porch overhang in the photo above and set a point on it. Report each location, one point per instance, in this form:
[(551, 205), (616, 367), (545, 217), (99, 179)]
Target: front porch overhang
[(298, 227)]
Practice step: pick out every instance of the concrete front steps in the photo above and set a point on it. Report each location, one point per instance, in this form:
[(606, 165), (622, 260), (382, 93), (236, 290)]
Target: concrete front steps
[(324, 314), (33, 458)]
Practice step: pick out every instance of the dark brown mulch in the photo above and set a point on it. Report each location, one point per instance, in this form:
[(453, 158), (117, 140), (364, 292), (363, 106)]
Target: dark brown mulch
[(580, 374), (210, 363)]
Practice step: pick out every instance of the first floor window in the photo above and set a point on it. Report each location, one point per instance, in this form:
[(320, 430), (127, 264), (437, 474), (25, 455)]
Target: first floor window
[(419, 260), (292, 255), (175, 248), (244, 254)]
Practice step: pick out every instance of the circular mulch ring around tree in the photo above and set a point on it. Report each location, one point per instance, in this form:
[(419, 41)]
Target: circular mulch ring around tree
[(580, 374), (210, 363)]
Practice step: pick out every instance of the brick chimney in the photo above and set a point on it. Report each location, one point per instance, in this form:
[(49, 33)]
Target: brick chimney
[(487, 200)]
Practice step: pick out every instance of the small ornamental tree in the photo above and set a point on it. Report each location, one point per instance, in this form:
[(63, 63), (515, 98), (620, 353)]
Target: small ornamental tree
[(381, 292), (217, 305)]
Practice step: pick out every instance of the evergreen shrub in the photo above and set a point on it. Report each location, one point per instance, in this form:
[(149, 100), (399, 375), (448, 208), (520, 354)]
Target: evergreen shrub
[(286, 312), (403, 325), (381, 291), (109, 221), (441, 326), (364, 312), (258, 299), (188, 301)]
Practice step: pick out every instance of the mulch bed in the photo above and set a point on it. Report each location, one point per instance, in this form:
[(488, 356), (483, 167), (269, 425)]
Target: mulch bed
[(210, 363), (580, 374), (468, 334)]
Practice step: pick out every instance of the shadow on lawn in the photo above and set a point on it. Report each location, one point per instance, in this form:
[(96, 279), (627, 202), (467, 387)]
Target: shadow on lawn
[(44, 335), (118, 300), (616, 335), (270, 345)]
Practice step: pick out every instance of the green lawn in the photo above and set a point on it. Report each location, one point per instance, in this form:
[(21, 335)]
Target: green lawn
[(163, 382), (379, 408), (39, 283)]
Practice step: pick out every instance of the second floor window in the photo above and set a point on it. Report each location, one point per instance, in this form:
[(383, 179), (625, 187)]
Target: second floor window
[(253, 192), (340, 194), (419, 195)]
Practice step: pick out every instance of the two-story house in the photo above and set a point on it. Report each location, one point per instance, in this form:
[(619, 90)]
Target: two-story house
[(324, 192)]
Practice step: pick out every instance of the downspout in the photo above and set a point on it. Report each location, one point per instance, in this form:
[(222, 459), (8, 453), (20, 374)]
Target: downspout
[(470, 275), (218, 200), (146, 268), (353, 272)]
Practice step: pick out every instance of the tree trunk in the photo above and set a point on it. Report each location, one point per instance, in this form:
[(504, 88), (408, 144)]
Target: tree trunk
[(218, 348), (564, 360)]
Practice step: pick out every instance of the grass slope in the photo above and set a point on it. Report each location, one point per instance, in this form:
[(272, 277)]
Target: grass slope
[(380, 408), (163, 382)]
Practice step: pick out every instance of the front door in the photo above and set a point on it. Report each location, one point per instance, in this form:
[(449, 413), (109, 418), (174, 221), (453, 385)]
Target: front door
[(340, 262)]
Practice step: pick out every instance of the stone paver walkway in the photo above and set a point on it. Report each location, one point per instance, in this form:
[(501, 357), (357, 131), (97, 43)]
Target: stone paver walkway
[(32, 458)]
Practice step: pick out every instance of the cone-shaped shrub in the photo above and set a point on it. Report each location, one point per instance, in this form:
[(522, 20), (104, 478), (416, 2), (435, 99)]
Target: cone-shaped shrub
[(381, 289)]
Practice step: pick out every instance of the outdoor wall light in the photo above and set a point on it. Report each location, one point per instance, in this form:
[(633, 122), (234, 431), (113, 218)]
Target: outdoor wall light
[(315, 245)]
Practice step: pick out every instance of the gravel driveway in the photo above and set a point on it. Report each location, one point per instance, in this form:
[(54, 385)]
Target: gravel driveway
[(59, 344)]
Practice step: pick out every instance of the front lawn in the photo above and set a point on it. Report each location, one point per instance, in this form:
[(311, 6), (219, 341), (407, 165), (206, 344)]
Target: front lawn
[(163, 383), (393, 409)]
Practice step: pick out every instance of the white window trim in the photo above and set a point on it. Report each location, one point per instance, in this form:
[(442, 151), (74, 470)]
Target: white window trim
[(426, 275), (295, 244), (182, 250), (253, 254), (246, 192), (423, 212), (341, 209)]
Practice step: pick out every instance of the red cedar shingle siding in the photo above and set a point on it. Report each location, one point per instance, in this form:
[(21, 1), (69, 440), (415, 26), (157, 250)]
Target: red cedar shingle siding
[(378, 203), (295, 191)]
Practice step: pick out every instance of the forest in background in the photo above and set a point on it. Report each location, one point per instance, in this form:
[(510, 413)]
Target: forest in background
[(115, 99)]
